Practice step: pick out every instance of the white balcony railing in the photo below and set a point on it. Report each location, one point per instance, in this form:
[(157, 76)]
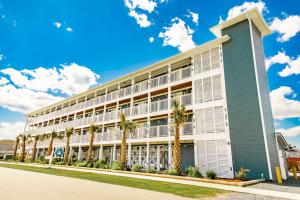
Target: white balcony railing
[(125, 92), (158, 131), (126, 111), (181, 74), (159, 105), (183, 99), (140, 109), (159, 81), (140, 87)]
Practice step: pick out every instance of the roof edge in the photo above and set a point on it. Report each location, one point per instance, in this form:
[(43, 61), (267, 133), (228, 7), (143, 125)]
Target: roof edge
[(253, 14)]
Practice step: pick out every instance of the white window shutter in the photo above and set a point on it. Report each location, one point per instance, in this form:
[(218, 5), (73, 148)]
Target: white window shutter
[(207, 89), (198, 91), (219, 119), (217, 88), (205, 61), (215, 58), (209, 120), (197, 64), (199, 116)]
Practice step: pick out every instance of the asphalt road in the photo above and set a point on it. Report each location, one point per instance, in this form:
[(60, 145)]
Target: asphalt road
[(24, 185)]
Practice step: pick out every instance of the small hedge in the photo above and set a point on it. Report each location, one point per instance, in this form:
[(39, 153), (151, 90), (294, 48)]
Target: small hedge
[(151, 170), (172, 172), (137, 168), (193, 172), (211, 174), (116, 165)]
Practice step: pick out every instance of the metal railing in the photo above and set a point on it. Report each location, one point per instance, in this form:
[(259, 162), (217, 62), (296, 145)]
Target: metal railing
[(159, 105), (158, 131)]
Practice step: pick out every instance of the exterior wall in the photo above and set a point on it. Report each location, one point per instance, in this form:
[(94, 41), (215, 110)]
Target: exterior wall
[(265, 100), (245, 122)]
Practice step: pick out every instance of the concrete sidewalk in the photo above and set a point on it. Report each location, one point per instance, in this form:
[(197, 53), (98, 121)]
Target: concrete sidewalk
[(255, 191)]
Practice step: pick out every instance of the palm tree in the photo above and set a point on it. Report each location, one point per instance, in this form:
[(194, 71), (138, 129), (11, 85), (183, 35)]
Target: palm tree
[(36, 138), (16, 147), (52, 136), (179, 115), (125, 125), (92, 130), (24, 138), (69, 132)]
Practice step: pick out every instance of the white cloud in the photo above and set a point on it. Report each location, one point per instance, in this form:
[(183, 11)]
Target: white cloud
[(9, 130), (194, 16), (69, 29), (3, 81), (291, 132), (279, 58), (1, 56), (151, 39), (178, 35), (146, 5), (141, 19), (68, 79), (237, 10), (24, 100), (57, 24), (282, 106), (292, 65), (287, 28)]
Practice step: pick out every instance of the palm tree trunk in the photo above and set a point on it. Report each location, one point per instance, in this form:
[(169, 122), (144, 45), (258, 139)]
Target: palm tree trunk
[(49, 152), (67, 150), (177, 155), (34, 151), (123, 149), (22, 157), (15, 150), (90, 151)]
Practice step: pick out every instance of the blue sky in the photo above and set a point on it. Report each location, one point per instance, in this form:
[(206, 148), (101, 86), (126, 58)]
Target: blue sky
[(43, 42)]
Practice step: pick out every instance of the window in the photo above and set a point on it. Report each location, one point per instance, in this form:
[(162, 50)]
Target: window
[(197, 64)]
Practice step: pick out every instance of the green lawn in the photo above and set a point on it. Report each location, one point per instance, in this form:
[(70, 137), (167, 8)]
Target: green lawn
[(173, 188)]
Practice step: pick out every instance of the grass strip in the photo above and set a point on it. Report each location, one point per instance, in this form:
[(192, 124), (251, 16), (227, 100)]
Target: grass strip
[(158, 186)]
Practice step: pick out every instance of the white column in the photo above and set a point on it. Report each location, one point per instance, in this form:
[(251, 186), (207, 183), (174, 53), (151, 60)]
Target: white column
[(129, 154), (131, 98), (170, 154), (71, 152), (114, 152), (158, 158), (100, 152), (196, 153), (147, 155), (79, 157)]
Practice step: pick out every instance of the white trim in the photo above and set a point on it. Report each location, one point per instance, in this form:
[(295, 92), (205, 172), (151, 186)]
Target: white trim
[(225, 106), (259, 100)]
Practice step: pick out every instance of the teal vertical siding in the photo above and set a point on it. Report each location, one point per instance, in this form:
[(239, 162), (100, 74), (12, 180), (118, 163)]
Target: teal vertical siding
[(265, 99), (245, 126)]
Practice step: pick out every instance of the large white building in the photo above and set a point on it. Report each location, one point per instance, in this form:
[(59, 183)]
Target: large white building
[(224, 86)]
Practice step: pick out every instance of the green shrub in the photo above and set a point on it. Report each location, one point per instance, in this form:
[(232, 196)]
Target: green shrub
[(193, 172), (56, 160), (101, 164), (242, 173), (81, 164), (137, 168), (151, 170), (116, 165), (59, 163), (27, 160), (90, 164), (211, 174), (173, 172)]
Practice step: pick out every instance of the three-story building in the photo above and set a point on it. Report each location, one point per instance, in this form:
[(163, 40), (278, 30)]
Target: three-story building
[(222, 83)]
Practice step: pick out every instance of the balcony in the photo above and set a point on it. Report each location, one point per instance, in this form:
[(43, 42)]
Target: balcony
[(139, 133), (159, 105), (110, 116), (140, 87), (140, 109), (111, 96), (159, 81), (183, 100), (126, 111), (158, 131), (186, 129), (181, 74), (125, 92)]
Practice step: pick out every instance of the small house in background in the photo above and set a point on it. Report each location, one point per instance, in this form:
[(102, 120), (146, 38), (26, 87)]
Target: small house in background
[(6, 149)]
